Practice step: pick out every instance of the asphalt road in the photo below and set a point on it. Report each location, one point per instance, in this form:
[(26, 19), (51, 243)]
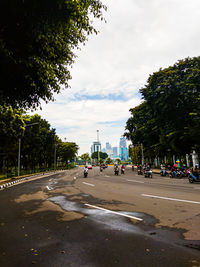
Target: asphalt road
[(103, 220)]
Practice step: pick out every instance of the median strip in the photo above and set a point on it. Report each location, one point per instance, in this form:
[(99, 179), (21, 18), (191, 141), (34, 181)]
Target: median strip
[(115, 212), (172, 199)]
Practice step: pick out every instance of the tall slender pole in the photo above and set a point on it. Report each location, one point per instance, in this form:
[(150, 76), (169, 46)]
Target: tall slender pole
[(19, 157), (142, 154), (98, 143), (19, 149), (55, 158)]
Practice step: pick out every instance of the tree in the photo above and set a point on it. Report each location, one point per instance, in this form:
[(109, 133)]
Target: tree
[(169, 117), (109, 161), (67, 151), (85, 157), (135, 154), (12, 125), (37, 46), (102, 155)]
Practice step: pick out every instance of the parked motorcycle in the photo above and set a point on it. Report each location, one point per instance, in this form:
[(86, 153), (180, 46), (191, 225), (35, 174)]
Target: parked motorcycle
[(164, 173), (194, 179), (148, 174), (140, 172)]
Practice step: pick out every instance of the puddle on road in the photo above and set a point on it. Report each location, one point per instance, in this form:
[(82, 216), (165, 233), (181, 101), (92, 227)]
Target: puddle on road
[(113, 221), (105, 218)]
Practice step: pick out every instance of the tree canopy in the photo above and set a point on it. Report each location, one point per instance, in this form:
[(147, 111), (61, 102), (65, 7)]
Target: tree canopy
[(38, 142), (67, 151), (37, 46), (102, 155), (169, 117), (85, 157)]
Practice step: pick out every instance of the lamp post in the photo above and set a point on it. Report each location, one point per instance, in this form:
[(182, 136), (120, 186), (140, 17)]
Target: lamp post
[(19, 148), (98, 144), (142, 154), (55, 157)]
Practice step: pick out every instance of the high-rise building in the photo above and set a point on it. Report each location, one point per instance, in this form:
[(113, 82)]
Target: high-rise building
[(123, 149), (108, 146), (95, 147), (115, 151)]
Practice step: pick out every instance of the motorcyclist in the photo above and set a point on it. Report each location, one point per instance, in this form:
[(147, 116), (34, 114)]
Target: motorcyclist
[(116, 168), (133, 167), (85, 169), (122, 168)]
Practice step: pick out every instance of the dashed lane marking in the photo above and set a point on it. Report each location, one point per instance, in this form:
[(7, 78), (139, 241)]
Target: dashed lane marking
[(172, 199), (88, 184), (135, 181), (114, 212)]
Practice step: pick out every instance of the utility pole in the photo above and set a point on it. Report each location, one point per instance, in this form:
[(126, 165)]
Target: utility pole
[(55, 158), (142, 154), (19, 157), (19, 148), (98, 144)]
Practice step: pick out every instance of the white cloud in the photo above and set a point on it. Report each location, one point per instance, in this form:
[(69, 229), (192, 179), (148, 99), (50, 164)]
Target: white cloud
[(140, 36)]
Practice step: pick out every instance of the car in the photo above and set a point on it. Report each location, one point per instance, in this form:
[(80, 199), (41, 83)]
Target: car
[(89, 167)]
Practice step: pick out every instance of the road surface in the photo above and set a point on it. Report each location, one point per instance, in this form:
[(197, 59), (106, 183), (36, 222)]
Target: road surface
[(103, 220)]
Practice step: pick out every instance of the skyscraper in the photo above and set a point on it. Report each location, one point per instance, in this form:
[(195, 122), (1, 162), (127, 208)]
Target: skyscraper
[(123, 149), (108, 146), (95, 147), (115, 151)]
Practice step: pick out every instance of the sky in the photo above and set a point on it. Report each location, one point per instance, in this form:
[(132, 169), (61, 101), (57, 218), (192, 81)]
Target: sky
[(139, 38)]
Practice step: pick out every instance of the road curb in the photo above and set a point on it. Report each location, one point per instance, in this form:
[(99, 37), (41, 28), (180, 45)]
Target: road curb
[(6, 185)]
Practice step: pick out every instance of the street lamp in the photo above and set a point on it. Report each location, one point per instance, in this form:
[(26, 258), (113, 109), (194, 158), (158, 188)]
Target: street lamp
[(55, 158), (19, 148), (98, 144), (142, 154)]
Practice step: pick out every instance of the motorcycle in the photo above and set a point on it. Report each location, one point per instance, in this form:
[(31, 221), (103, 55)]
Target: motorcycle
[(101, 169), (85, 173), (164, 173), (116, 171), (122, 171), (176, 174), (148, 174), (140, 172), (192, 178)]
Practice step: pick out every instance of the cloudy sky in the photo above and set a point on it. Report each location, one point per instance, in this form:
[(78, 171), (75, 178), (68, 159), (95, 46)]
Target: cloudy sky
[(140, 37)]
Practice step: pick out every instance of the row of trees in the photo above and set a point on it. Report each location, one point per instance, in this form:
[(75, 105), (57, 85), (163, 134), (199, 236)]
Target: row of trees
[(168, 119), (103, 157), (39, 142)]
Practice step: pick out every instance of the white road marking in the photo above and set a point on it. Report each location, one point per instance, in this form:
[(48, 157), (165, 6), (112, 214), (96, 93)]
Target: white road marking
[(88, 184), (48, 187), (117, 213), (173, 199), (107, 176), (197, 188), (135, 181)]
